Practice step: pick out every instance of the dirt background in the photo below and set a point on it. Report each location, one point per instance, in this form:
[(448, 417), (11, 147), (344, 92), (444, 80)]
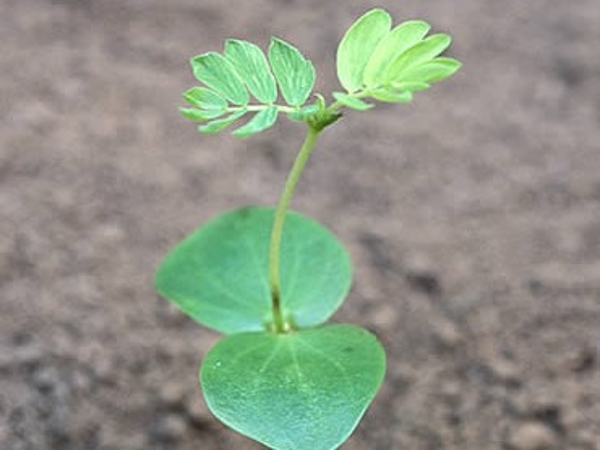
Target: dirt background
[(472, 215)]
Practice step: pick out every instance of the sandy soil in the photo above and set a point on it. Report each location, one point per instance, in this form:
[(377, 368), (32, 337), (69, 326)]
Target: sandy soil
[(473, 217)]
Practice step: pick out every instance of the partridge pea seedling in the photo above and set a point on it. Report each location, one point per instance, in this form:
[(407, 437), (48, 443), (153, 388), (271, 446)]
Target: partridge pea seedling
[(268, 278)]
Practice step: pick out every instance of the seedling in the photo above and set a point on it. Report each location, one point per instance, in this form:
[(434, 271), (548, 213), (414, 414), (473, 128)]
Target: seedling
[(269, 278)]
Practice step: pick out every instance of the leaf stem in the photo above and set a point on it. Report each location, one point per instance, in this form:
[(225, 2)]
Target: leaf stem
[(280, 325), (257, 108)]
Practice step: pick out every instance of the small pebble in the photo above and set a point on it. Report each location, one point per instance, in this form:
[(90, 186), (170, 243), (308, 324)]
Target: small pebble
[(448, 335), (172, 394), (197, 410), (385, 316), (169, 314), (586, 438), (44, 379), (104, 368), (21, 356), (533, 436), (451, 390), (170, 428), (110, 232), (582, 360), (426, 282), (4, 436), (82, 381), (505, 371)]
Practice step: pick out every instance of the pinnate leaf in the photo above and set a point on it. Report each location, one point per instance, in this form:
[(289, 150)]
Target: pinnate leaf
[(243, 70), (357, 46), (260, 122), (389, 66), (302, 390), (216, 72), (251, 64), (293, 72)]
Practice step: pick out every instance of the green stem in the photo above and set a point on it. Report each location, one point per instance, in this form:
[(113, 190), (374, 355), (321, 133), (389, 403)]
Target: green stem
[(279, 323)]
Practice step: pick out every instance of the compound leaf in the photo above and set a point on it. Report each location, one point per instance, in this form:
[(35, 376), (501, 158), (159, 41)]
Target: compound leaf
[(293, 72), (261, 121), (218, 275), (391, 46), (357, 46), (216, 72), (251, 64), (302, 390)]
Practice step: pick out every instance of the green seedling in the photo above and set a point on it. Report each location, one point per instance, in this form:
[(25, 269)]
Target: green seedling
[(269, 278)]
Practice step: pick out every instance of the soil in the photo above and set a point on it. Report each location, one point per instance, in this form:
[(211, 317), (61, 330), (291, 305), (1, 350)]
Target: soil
[(472, 216)]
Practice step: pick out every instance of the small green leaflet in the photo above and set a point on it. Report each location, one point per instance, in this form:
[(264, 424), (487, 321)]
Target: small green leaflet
[(198, 115), (251, 65), (357, 46), (435, 70), (219, 74), (217, 125), (391, 46), (294, 73), (351, 102), (260, 122), (418, 54), (390, 96), (204, 98)]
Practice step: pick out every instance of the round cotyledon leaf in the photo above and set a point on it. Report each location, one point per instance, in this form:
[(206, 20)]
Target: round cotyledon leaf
[(294, 391), (218, 275)]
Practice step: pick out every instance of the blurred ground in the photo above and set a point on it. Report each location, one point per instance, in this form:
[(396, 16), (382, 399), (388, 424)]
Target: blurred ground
[(473, 217)]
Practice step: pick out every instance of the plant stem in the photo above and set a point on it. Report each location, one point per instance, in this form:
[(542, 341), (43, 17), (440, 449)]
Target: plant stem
[(279, 323)]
